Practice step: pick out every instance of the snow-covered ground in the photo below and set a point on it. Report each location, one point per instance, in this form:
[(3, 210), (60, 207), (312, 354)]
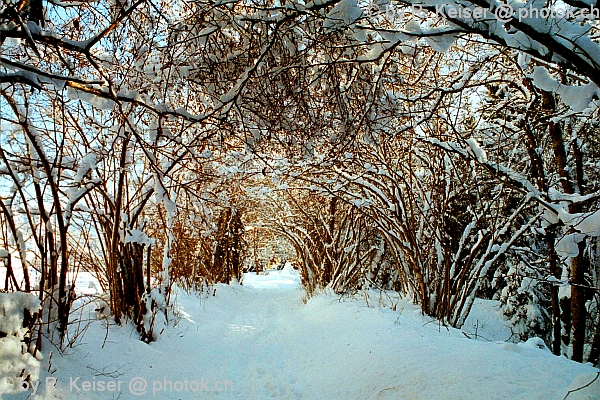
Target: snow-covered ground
[(265, 340)]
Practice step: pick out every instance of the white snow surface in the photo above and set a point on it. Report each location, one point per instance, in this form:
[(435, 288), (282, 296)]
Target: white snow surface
[(264, 340)]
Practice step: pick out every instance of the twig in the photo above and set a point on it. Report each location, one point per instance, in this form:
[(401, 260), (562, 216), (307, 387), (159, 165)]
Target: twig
[(584, 386)]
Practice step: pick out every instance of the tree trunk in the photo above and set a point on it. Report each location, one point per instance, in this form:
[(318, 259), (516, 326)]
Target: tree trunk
[(539, 175), (578, 310), (114, 278), (555, 270), (577, 281), (594, 357)]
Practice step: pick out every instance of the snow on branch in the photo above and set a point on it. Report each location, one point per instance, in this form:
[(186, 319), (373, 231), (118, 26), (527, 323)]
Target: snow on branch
[(578, 98), (584, 223), (557, 39)]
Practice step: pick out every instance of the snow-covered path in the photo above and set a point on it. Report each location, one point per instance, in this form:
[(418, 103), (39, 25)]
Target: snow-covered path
[(261, 341)]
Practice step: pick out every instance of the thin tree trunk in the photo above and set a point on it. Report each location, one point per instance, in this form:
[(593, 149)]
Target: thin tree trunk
[(539, 175), (594, 356), (555, 270), (13, 230), (113, 274), (63, 300), (578, 310)]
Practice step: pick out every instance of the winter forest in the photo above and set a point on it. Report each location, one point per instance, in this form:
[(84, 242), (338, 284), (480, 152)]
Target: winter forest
[(409, 160)]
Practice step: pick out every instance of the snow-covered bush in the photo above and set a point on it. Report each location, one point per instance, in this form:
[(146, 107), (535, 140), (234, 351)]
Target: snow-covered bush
[(524, 300), (16, 363)]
